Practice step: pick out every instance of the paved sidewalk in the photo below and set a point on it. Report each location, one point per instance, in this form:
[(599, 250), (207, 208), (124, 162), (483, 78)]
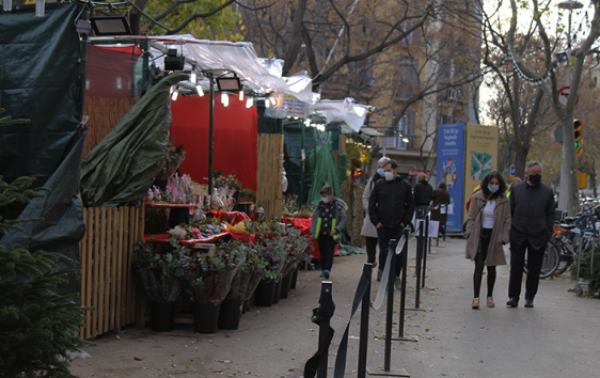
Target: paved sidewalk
[(560, 337)]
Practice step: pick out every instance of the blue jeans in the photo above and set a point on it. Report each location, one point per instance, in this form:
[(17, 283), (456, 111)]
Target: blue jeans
[(385, 234)]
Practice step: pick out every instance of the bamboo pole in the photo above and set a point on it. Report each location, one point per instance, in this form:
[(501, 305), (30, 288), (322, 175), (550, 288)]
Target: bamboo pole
[(141, 310), (96, 271), (131, 243), (83, 259), (119, 267), (89, 229), (125, 271), (101, 277)]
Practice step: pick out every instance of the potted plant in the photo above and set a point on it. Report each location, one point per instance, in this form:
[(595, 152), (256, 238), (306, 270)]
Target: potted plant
[(208, 281), (296, 246), (244, 283), (159, 270), (273, 251)]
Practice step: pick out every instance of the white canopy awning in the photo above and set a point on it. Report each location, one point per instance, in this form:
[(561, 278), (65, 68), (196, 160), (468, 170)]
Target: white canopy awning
[(262, 75), (347, 111)]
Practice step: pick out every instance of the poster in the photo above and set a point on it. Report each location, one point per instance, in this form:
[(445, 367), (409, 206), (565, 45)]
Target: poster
[(481, 156), (450, 167)]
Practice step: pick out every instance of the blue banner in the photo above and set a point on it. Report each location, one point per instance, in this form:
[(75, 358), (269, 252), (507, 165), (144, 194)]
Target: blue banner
[(450, 167)]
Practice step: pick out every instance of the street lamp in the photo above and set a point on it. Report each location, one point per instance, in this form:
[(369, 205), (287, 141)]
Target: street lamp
[(570, 5)]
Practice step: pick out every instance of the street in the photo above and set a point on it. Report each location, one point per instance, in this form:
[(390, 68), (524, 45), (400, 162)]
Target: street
[(559, 337)]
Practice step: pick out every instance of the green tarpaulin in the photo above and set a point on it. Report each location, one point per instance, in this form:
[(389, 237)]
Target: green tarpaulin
[(121, 168), (326, 172)]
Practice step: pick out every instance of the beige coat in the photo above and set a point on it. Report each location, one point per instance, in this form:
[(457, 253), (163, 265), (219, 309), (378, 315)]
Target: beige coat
[(368, 228), (500, 233)]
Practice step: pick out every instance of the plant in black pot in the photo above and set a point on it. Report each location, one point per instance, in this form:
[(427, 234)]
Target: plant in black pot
[(159, 269), (244, 284), (208, 281), (274, 252), (297, 246)]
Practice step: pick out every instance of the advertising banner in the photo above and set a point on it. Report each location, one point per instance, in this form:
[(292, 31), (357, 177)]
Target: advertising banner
[(450, 167), (481, 157)]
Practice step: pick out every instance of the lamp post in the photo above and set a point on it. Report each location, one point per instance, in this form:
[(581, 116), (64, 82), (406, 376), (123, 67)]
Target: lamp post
[(563, 197)]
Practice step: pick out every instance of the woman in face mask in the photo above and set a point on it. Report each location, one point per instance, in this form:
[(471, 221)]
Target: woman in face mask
[(488, 228)]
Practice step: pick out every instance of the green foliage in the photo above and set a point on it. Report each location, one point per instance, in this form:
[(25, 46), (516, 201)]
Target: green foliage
[(592, 277), (360, 151), (220, 26), (7, 120), (248, 275), (38, 328)]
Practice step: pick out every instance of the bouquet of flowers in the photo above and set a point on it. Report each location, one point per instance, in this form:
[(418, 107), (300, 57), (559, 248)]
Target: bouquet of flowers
[(209, 277), (273, 251), (160, 272), (297, 247)]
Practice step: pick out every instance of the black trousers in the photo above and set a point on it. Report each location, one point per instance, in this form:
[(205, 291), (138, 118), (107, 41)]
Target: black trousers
[(535, 257), (326, 248), (371, 249)]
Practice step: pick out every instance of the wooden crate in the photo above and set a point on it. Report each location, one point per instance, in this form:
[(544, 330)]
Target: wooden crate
[(268, 177), (106, 275)]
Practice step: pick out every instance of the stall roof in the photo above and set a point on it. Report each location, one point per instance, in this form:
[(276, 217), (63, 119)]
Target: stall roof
[(263, 75), (348, 111)]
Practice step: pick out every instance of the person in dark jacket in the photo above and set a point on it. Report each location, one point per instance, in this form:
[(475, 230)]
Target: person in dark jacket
[(391, 208), (439, 206), (328, 222), (422, 195), (533, 214)]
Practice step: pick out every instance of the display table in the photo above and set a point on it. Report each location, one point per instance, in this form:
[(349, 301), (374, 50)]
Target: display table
[(303, 225)]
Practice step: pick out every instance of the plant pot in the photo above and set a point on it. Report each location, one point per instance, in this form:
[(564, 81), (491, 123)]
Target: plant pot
[(286, 283), (162, 316), (294, 278), (206, 317), (263, 296), (230, 313), (277, 293)]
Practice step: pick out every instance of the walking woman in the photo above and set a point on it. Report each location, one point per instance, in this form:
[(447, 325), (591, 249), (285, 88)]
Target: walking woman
[(488, 229)]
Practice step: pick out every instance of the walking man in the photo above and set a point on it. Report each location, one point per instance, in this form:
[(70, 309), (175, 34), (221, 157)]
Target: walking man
[(391, 208), (422, 194), (533, 214)]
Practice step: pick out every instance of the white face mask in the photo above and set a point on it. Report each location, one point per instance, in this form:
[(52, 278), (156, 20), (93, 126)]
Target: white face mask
[(389, 176), (325, 199)]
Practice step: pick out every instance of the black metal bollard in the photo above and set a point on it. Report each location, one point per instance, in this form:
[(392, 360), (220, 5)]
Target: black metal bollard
[(418, 267), (387, 363), (317, 364), (404, 258), (427, 243), (364, 325)]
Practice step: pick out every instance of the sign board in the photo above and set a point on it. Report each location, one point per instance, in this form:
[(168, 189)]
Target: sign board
[(481, 157), (450, 168), (287, 106), (563, 96), (513, 171), (414, 172), (582, 180), (432, 231), (387, 142)]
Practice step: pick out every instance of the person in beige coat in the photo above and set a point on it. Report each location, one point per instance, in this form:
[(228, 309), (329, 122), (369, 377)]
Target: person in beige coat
[(368, 229), (488, 230)]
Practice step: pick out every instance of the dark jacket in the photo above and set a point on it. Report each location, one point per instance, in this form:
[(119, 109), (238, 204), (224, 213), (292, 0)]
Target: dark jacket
[(391, 203), (423, 193), (439, 197), (533, 214), (339, 218)]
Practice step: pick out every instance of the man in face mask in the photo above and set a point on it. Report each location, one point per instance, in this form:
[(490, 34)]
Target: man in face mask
[(391, 208), (533, 214), (368, 229)]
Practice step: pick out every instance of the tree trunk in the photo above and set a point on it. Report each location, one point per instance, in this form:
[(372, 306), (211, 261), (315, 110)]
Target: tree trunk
[(521, 153), (135, 17), (593, 179)]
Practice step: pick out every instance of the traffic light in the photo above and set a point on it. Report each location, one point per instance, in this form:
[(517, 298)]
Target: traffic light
[(578, 126)]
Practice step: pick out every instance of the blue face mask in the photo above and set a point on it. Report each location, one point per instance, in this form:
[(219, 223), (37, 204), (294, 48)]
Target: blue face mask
[(380, 172), (493, 188)]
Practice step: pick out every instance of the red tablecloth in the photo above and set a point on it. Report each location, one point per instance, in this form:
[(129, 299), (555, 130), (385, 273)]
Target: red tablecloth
[(231, 217), (303, 224)]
